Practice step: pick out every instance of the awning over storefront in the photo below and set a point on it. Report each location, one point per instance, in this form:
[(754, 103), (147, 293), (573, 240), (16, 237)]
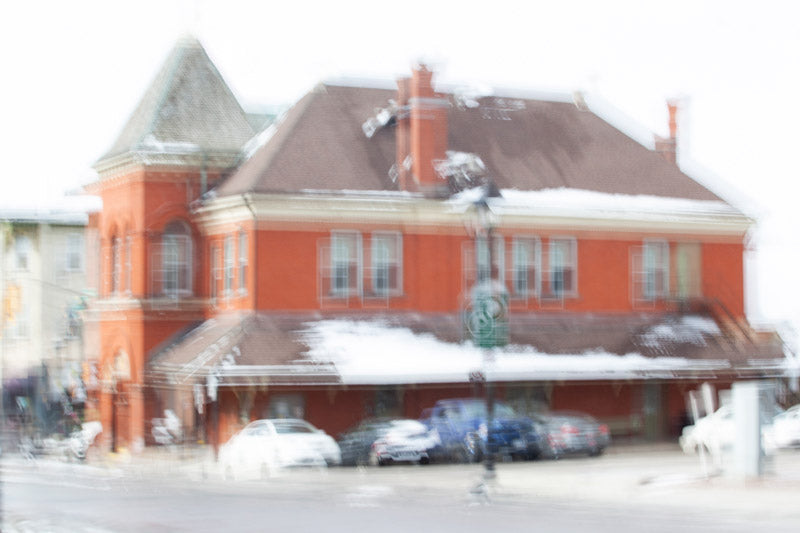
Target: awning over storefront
[(413, 348)]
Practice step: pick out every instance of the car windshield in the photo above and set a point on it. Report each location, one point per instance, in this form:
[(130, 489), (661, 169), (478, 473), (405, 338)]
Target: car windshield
[(283, 427), (478, 410)]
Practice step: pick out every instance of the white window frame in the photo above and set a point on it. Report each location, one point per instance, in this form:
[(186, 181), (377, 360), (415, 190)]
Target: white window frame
[(73, 262), (215, 270), (177, 261), (228, 261), (482, 272), (128, 264), (526, 252), (386, 251), (22, 252), (243, 255), (655, 260), (556, 265), (346, 249), (116, 264)]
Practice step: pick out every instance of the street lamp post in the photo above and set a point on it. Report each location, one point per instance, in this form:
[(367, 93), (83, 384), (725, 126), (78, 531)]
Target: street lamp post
[(487, 319)]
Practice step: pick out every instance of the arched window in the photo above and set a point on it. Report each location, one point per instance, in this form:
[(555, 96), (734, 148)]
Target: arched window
[(176, 259), (116, 264)]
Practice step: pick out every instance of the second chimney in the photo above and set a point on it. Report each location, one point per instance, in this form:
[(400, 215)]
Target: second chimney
[(668, 147)]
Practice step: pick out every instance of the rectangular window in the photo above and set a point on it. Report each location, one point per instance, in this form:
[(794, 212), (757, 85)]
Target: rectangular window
[(176, 264), (286, 406), (525, 270), (655, 264), (563, 259), (74, 259), (229, 262), (243, 253), (388, 402), (116, 265), (498, 259), (345, 264), (216, 271), (128, 263), (386, 263), (22, 249), (688, 266)]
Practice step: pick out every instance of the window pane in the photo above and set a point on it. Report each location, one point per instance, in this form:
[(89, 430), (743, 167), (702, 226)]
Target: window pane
[(525, 257), (176, 259), (656, 269), (228, 263), (385, 263), (75, 252), (22, 248), (215, 271), (482, 258), (116, 267), (562, 266), (242, 261), (345, 267)]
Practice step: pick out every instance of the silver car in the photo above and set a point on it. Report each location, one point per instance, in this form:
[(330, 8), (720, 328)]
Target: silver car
[(571, 432)]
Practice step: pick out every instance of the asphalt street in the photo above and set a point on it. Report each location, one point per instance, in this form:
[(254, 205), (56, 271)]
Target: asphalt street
[(661, 490)]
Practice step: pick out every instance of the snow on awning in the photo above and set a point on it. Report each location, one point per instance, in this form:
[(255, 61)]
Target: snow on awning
[(372, 352), (424, 348)]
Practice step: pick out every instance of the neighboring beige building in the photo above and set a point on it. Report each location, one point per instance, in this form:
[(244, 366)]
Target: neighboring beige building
[(45, 283)]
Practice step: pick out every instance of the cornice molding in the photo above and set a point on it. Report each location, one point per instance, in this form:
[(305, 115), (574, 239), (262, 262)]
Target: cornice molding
[(426, 214)]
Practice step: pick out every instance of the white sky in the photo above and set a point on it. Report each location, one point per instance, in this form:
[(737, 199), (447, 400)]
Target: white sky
[(74, 71)]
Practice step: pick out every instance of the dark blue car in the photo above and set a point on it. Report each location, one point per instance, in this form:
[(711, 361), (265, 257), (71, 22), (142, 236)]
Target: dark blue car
[(461, 427)]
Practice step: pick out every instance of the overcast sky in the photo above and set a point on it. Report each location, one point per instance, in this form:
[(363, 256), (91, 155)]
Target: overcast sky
[(74, 71)]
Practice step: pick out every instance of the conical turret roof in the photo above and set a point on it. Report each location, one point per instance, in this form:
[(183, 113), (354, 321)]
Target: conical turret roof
[(188, 107)]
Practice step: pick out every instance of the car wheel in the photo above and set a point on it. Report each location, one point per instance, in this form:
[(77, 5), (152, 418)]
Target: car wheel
[(373, 460), (596, 451)]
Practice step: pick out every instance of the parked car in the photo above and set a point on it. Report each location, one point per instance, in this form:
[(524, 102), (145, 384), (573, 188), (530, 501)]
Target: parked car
[(570, 432), (264, 447), (380, 441), (460, 427), (715, 431), (785, 432)]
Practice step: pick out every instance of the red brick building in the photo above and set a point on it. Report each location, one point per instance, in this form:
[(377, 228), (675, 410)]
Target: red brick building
[(323, 267)]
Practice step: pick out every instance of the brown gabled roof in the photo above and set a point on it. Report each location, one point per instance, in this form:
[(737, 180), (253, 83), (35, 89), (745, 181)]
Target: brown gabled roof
[(258, 348), (525, 143), (187, 106)]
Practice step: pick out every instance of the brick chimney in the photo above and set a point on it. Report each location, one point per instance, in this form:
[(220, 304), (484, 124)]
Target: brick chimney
[(668, 147), (421, 133)]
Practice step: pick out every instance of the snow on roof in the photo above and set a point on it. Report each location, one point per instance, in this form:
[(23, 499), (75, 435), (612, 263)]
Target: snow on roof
[(583, 203), (66, 210), (373, 352)]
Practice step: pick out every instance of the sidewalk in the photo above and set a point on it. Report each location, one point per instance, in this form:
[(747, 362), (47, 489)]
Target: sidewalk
[(664, 477)]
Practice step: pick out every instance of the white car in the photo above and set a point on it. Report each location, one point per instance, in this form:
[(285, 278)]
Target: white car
[(715, 432), (786, 428), (265, 447), (403, 441)]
